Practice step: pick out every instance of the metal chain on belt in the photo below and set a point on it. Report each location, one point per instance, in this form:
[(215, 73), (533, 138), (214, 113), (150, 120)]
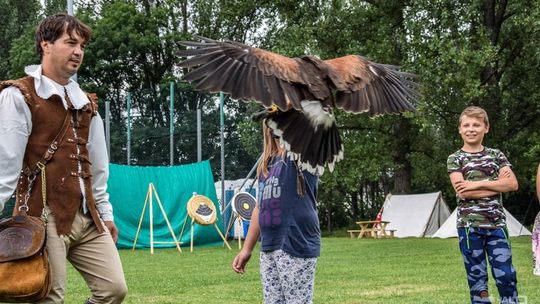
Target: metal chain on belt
[(31, 180), (41, 166)]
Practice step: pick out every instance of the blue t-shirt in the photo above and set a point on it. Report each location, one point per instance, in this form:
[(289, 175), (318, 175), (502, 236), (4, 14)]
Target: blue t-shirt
[(288, 221)]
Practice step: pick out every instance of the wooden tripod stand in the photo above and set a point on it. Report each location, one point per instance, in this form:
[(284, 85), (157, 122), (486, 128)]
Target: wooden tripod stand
[(149, 201)]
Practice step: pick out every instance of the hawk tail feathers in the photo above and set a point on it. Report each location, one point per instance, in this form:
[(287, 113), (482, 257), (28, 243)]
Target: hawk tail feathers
[(313, 147)]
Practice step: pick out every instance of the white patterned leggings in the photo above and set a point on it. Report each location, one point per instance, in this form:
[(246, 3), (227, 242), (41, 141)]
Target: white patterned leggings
[(287, 279)]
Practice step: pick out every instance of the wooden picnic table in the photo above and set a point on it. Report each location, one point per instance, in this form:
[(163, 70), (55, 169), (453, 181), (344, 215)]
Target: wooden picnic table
[(374, 229)]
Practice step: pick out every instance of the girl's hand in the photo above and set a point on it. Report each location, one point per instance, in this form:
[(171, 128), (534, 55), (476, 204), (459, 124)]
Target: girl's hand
[(240, 261)]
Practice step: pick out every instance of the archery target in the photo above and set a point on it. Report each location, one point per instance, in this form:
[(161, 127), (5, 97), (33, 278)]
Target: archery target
[(243, 204), (201, 209)]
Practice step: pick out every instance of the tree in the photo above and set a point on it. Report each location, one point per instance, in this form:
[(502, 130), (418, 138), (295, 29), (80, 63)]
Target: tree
[(18, 20), (133, 50), (481, 52)]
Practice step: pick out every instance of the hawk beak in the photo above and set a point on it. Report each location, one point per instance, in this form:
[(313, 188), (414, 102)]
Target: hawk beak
[(258, 116), (273, 109)]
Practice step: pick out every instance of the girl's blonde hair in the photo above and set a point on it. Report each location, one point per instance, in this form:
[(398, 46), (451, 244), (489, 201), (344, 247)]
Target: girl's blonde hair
[(271, 148), (475, 112)]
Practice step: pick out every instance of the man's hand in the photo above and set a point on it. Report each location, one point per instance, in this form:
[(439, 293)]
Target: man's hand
[(112, 229)]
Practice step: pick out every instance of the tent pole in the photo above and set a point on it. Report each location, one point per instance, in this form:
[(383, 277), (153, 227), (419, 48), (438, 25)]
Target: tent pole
[(69, 9), (128, 128), (251, 171), (222, 126), (108, 127), (199, 135), (171, 122), (247, 177)]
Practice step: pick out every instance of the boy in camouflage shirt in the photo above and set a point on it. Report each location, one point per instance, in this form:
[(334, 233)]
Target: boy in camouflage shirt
[(479, 175)]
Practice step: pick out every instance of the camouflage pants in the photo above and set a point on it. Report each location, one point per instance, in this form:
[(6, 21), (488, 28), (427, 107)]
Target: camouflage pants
[(475, 244)]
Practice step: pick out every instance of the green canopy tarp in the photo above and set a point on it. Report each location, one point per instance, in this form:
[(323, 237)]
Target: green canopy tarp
[(175, 185)]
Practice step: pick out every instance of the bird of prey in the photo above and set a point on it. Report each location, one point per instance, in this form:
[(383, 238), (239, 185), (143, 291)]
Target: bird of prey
[(300, 93)]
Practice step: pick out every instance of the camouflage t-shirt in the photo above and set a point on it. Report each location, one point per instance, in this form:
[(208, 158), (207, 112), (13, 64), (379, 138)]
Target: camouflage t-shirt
[(485, 165)]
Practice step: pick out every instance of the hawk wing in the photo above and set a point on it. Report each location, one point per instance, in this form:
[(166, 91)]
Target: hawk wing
[(251, 73), (244, 72), (366, 86), (309, 85)]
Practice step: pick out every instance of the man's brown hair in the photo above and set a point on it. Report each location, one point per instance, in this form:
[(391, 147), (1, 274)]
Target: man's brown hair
[(53, 27)]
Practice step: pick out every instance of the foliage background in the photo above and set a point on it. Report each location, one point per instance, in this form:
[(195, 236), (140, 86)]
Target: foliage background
[(470, 52)]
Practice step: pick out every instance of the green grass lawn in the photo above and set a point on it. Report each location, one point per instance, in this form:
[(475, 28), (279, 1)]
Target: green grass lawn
[(348, 271)]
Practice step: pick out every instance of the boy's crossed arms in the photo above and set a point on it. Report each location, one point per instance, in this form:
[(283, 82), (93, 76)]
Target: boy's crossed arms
[(481, 189)]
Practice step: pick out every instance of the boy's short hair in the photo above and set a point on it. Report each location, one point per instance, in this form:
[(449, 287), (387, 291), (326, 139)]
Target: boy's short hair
[(476, 112), (52, 28)]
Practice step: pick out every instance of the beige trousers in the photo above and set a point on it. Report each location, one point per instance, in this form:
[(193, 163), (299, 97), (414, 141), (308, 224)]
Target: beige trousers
[(92, 253)]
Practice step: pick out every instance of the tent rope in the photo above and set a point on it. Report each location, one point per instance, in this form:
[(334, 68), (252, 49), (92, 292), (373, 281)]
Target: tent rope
[(533, 198)]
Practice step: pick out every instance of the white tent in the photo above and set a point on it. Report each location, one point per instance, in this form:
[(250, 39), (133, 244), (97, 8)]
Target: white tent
[(448, 229), (416, 215), (235, 185)]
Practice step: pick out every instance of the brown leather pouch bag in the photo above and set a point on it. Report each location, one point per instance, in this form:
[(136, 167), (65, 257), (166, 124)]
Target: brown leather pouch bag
[(24, 266)]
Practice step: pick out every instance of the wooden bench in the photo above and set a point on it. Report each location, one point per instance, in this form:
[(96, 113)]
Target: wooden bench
[(370, 232), (390, 232), (365, 232), (353, 233)]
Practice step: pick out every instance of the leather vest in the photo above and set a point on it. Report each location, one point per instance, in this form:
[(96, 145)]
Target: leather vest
[(69, 160)]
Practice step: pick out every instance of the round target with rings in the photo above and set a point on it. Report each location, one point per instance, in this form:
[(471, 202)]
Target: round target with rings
[(201, 209), (243, 204)]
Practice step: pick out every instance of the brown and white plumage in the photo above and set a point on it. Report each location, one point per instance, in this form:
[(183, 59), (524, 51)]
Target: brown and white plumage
[(305, 89)]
